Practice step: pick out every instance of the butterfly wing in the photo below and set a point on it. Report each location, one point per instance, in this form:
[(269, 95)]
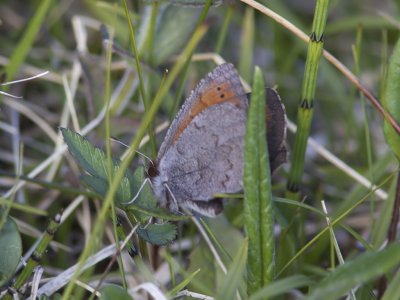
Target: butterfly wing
[(202, 153), (276, 130)]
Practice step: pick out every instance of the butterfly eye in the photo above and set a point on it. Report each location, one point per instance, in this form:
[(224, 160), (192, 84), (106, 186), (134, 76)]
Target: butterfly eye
[(152, 171)]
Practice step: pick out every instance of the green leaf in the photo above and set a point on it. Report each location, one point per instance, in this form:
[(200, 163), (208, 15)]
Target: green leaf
[(26, 41), (391, 100), (113, 291), (157, 212), (393, 290), (99, 185), (182, 284), (382, 223), (10, 249), (145, 199), (227, 241), (282, 286), (174, 27), (202, 258), (257, 192), (158, 234), (365, 267), (93, 160), (235, 274)]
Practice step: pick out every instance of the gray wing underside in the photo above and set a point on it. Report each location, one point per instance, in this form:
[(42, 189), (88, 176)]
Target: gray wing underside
[(208, 157), (221, 74)]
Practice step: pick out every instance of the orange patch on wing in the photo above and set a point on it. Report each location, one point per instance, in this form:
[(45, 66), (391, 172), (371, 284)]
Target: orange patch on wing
[(214, 95)]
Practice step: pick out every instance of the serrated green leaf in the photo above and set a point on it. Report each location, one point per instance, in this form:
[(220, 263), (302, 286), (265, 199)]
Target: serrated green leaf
[(98, 185), (113, 291), (257, 192), (391, 100), (10, 249), (158, 234), (365, 267), (93, 160)]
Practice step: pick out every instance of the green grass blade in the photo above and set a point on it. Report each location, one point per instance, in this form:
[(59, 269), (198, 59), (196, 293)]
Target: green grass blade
[(23, 207), (247, 45), (393, 290), (183, 284), (391, 101), (257, 192), (357, 50), (282, 286), (140, 75), (224, 29), (21, 50), (381, 225), (362, 269), (233, 278), (186, 67), (335, 221)]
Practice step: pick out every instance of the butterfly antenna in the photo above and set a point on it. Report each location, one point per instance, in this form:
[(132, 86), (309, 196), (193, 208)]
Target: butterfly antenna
[(138, 152), (138, 192)]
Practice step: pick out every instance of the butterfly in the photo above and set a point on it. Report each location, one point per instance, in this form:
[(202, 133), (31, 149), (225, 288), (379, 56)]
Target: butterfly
[(202, 152)]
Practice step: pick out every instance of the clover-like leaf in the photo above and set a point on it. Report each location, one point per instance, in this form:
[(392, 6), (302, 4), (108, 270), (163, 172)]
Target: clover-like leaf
[(113, 291), (157, 212), (94, 161), (158, 234)]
